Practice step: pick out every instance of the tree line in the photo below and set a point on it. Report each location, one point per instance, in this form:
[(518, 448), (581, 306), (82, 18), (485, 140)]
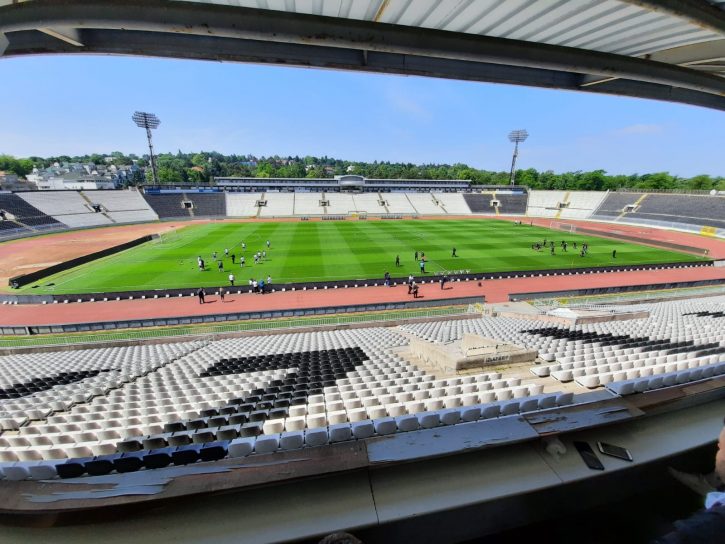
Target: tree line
[(203, 166)]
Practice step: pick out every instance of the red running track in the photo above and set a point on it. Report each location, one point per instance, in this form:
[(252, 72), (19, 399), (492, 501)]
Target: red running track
[(493, 290)]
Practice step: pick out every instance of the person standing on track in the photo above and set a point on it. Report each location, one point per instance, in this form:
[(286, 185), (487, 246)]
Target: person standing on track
[(201, 294)]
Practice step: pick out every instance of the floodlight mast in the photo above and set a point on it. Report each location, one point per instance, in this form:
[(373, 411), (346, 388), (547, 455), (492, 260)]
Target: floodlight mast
[(516, 136), (148, 121)]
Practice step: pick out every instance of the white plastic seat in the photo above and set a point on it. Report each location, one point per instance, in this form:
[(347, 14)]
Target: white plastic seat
[(42, 471), (503, 394), (267, 443), (491, 411), (387, 425), (428, 420), (547, 401), (622, 388), (291, 440), (316, 437), (510, 408), (16, 472), (450, 416), (337, 417), (296, 423), (241, 447), (407, 423), (363, 429), (340, 432), (471, 413)]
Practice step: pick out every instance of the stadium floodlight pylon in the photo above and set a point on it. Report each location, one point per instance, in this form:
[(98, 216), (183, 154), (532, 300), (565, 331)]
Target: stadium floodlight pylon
[(516, 136), (148, 121)]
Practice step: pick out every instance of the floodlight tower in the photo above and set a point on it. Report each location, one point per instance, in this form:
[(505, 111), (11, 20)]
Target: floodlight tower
[(516, 136), (148, 121)]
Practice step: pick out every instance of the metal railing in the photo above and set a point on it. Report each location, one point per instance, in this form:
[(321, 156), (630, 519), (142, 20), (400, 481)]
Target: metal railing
[(666, 191), (603, 302), (202, 331)]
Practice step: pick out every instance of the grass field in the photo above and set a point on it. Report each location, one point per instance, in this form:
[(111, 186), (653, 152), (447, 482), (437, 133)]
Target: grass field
[(317, 251)]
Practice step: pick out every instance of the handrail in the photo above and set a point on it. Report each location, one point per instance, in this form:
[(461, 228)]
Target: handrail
[(201, 331)]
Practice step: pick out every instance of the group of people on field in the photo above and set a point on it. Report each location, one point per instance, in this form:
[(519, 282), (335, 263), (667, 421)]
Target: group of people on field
[(255, 286), (564, 245)]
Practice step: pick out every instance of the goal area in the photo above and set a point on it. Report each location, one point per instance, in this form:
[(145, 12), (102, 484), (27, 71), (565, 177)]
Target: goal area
[(566, 227)]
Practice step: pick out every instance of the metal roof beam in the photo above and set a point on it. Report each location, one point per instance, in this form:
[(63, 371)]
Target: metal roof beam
[(284, 54), (274, 26), (697, 12), (687, 55), (67, 34)]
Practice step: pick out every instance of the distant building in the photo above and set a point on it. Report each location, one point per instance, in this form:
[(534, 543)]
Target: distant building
[(8, 177), (75, 182), (77, 176), (346, 183), (11, 182)]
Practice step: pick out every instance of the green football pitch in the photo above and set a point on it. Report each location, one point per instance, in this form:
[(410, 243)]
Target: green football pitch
[(339, 250)]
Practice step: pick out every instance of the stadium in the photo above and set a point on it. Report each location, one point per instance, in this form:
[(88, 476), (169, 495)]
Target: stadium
[(278, 359)]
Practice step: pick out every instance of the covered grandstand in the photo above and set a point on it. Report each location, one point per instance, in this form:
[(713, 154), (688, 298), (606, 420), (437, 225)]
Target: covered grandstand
[(444, 419), (28, 213)]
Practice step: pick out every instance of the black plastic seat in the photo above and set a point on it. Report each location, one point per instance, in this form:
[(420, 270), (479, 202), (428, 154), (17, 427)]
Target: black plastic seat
[(102, 465), (253, 428), (213, 451), (277, 413), (217, 421), (258, 415), (202, 437), (129, 445), (186, 455), (174, 426), (73, 468), (159, 458), (195, 424), (238, 418), (129, 462)]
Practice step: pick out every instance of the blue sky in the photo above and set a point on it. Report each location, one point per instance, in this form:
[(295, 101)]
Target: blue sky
[(52, 105)]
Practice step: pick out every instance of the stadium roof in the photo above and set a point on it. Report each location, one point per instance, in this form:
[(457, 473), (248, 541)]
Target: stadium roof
[(667, 49)]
